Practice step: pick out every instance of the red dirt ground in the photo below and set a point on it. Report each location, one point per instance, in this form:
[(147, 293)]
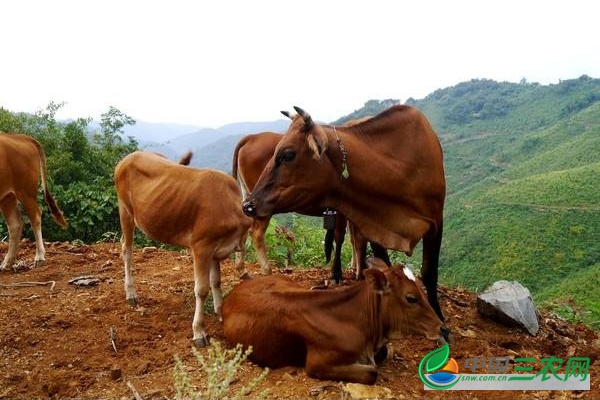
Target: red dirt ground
[(56, 343)]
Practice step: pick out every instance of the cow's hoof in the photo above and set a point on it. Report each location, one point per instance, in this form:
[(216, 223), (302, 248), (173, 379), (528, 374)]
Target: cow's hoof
[(201, 341), (39, 263), (133, 302), (381, 355)]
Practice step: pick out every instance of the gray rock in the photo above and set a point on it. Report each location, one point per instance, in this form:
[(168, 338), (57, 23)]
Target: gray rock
[(509, 303)]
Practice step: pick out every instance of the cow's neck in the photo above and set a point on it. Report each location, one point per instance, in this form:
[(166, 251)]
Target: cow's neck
[(364, 197)]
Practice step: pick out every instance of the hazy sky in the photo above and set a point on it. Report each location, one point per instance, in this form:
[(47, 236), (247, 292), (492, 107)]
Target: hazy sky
[(214, 62)]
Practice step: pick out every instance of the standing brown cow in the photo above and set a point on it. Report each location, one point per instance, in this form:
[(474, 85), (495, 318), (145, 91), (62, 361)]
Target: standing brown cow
[(22, 159), (181, 206), (250, 157), (395, 187)]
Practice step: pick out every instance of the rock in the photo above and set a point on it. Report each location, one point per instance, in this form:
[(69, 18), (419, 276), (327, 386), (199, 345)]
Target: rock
[(85, 280), (509, 303), (149, 249), (468, 333), (360, 391)]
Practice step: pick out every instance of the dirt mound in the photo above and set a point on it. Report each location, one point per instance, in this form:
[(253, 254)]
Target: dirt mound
[(56, 343)]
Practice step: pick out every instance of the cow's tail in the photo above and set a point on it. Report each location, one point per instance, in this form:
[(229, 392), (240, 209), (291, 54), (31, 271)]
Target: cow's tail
[(185, 160), (56, 212), (234, 167), (329, 237)]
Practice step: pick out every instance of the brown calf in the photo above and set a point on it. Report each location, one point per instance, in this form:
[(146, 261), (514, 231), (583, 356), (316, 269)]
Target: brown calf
[(22, 159), (337, 334), (182, 206)]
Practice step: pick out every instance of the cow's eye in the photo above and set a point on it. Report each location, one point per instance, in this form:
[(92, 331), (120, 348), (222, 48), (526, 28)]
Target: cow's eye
[(411, 299), (287, 156)]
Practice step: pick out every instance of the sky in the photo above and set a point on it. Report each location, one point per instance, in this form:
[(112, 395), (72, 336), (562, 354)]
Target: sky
[(216, 62)]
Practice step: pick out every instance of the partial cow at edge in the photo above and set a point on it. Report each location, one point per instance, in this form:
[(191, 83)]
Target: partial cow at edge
[(22, 161), (182, 206)]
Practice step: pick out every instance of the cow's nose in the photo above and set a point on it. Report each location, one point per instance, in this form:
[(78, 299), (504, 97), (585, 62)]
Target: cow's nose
[(249, 208), (446, 334)]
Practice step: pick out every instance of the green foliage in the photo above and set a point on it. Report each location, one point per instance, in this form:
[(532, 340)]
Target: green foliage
[(221, 367), (80, 168)]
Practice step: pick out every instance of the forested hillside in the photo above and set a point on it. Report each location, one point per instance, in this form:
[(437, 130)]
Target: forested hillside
[(522, 163)]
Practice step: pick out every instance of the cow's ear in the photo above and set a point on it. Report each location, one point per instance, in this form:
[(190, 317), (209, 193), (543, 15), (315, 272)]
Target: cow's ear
[(317, 141), (377, 263), (376, 279)]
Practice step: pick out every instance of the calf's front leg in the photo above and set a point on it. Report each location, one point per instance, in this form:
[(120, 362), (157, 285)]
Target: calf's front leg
[(203, 263)]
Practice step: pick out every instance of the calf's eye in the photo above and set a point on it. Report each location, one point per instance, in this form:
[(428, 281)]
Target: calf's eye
[(411, 299)]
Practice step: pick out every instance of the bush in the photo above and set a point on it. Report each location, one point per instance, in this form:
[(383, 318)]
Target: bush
[(220, 367)]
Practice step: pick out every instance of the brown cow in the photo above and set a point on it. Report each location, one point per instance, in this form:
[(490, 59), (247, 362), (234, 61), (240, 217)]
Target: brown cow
[(182, 206), (338, 334), (22, 159), (395, 189), (250, 157)]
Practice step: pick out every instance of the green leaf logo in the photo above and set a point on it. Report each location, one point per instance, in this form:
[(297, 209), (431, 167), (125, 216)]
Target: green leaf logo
[(437, 358)]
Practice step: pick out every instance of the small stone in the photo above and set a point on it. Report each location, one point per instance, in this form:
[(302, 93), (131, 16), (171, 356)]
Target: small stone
[(468, 333), (176, 268), (287, 376), (278, 383), (360, 391), (149, 249)]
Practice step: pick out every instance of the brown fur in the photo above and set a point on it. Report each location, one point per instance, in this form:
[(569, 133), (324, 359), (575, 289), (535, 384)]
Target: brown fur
[(396, 189), (22, 161), (250, 157), (177, 205), (335, 333)]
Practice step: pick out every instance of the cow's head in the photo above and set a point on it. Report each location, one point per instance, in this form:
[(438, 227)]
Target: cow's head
[(299, 173), (404, 307)]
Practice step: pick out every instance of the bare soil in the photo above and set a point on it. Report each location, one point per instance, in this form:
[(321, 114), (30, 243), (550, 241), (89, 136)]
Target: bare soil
[(56, 343)]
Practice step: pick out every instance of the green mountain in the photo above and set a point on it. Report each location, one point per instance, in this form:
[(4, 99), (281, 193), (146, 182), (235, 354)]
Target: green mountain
[(523, 166)]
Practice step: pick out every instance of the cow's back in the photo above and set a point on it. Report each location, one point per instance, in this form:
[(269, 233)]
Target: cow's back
[(175, 204), (252, 315)]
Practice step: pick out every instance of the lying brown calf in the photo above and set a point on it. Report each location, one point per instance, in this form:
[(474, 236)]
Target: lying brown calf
[(335, 333), (182, 206)]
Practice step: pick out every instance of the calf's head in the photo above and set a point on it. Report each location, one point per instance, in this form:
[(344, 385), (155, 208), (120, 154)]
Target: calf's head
[(299, 173), (404, 307)]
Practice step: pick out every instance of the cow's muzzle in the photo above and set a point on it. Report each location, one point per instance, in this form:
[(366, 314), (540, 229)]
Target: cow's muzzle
[(249, 208)]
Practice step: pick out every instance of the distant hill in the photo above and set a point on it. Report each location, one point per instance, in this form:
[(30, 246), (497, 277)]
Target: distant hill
[(149, 132)]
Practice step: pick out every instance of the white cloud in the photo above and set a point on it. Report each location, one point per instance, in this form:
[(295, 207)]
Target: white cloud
[(212, 63)]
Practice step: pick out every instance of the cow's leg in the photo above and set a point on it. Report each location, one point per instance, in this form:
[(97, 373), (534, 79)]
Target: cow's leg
[(339, 236), (127, 230), (32, 209), (240, 258), (359, 250), (380, 252), (432, 242), (215, 286), (203, 264), (257, 231), (13, 219), (319, 366)]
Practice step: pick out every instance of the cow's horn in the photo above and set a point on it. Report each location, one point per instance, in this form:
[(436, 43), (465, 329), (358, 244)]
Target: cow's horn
[(288, 114), (306, 116)]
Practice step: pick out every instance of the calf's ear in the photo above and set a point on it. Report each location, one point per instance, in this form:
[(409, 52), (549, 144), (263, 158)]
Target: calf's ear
[(376, 280), (317, 141)]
